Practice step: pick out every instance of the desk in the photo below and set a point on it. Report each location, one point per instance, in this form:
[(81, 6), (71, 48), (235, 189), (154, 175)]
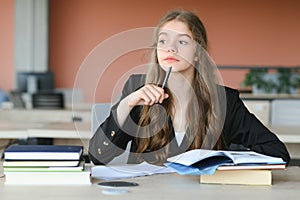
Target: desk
[(67, 133), (250, 96), (44, 116), (286, 185), (70, 131), (77, 130), (22, 123), (15, 130), (290, 135), (287, 133), (67, 130), (63, 133)]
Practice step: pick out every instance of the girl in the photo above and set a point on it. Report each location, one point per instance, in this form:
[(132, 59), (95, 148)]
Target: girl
[(191, 112)]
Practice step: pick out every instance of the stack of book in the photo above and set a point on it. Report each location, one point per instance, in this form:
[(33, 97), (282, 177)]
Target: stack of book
[(252, 174), (45, 165), (227, 167)]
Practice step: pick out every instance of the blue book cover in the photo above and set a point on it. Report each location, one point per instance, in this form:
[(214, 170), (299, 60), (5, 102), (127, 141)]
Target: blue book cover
[(43, 152)]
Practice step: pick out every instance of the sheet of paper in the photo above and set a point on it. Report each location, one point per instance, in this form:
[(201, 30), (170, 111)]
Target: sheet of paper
[(127, 171)]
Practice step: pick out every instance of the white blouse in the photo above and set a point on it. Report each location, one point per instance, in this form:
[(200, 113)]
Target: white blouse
[(179, 137)]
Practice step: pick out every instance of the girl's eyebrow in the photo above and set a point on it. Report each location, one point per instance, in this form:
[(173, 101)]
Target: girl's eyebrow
[(179, 34), (184, 34), (162, 33)]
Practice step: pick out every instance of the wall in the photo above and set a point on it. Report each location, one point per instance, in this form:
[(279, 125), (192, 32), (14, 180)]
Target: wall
[(6, 44), (240, 32)]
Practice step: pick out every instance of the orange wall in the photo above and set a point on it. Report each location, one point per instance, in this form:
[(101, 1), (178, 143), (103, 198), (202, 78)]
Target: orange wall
[(6, 44), (240, 32)]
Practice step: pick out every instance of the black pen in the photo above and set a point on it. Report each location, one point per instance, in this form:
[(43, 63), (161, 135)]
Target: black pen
[(166, 77)]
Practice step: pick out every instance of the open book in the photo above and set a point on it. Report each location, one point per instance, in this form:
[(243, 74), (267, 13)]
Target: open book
[(195, 162), (201, 162)]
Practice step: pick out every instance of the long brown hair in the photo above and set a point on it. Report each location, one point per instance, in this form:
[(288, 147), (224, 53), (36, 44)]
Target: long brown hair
[(203, 112)]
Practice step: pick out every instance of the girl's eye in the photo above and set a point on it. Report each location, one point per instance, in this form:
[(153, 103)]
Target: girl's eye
[(183, 42), (162, 41)]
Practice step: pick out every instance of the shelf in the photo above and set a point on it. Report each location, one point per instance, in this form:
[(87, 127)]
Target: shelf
[(255, 67), (249, 96)]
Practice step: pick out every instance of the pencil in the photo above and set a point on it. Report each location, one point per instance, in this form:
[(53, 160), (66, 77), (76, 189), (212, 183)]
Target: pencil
[(166, 77)]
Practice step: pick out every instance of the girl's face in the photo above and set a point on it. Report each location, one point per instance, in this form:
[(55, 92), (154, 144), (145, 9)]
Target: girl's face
[(176, 47)]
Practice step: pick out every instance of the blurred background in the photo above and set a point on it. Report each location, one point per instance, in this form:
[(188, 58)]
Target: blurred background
[(45, 47), (57, 35)]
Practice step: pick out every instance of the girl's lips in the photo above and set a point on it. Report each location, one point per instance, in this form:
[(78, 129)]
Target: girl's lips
[(171, 59)]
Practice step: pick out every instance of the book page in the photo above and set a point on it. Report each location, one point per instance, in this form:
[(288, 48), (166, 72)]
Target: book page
[(238, 157), (245, 157), (196, 155)]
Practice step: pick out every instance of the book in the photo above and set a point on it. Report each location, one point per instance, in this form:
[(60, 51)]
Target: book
[(252, 166), (239, 177), (202, 162), (40, 163), (43, 152), (48, 178), (78, 168)]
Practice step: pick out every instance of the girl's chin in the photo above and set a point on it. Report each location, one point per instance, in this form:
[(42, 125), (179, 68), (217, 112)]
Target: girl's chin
[(166, 68)]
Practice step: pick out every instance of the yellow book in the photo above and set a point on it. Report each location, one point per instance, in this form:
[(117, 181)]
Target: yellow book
[(239, 177)]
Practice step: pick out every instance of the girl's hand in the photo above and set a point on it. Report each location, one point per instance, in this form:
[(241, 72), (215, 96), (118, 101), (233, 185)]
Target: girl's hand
[(147, 95)]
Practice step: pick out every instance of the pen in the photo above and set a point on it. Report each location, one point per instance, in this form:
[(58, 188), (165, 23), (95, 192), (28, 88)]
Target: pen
[(166, 77)]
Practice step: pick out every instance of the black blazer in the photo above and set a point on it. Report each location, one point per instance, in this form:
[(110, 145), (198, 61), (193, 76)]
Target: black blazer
[(240, 127)]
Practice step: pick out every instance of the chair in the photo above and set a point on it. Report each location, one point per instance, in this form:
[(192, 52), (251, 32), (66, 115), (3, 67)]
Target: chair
[(260, 108), (100, 112), (16, 98), (47, 100), (285, 112)]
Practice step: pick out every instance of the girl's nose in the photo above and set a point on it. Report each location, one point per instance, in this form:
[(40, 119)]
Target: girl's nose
[(171, 50)]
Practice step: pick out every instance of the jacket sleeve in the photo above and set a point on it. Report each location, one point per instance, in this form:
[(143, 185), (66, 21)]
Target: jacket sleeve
[(110, 140), (243, 128)]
